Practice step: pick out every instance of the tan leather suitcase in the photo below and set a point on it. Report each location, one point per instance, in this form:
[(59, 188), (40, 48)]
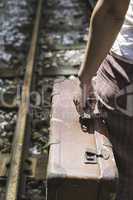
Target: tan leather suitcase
[(81, 164)]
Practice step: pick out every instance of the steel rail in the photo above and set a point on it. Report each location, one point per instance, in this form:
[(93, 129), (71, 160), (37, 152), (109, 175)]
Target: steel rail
[(20, 132)]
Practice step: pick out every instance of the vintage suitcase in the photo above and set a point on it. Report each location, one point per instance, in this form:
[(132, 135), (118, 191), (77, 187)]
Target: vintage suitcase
[(81, 164)]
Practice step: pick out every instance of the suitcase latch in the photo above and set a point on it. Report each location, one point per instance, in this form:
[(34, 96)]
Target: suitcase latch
[(91, 156)]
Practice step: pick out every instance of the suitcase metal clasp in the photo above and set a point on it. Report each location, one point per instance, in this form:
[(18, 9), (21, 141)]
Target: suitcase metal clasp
[(90, 156)]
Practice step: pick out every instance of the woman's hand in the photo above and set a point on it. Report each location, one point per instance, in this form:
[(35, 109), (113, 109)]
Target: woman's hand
[(81, 94)]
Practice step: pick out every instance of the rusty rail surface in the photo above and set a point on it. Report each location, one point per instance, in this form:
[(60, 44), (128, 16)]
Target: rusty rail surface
[(20, 132)]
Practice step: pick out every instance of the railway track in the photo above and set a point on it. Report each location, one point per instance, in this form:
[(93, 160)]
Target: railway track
[(23, 115), (52, 53)]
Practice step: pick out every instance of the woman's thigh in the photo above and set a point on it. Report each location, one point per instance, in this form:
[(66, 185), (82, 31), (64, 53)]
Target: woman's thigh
[(121, 135)]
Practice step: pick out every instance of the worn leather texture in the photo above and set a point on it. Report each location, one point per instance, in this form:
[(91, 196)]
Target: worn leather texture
[(69, 176)]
